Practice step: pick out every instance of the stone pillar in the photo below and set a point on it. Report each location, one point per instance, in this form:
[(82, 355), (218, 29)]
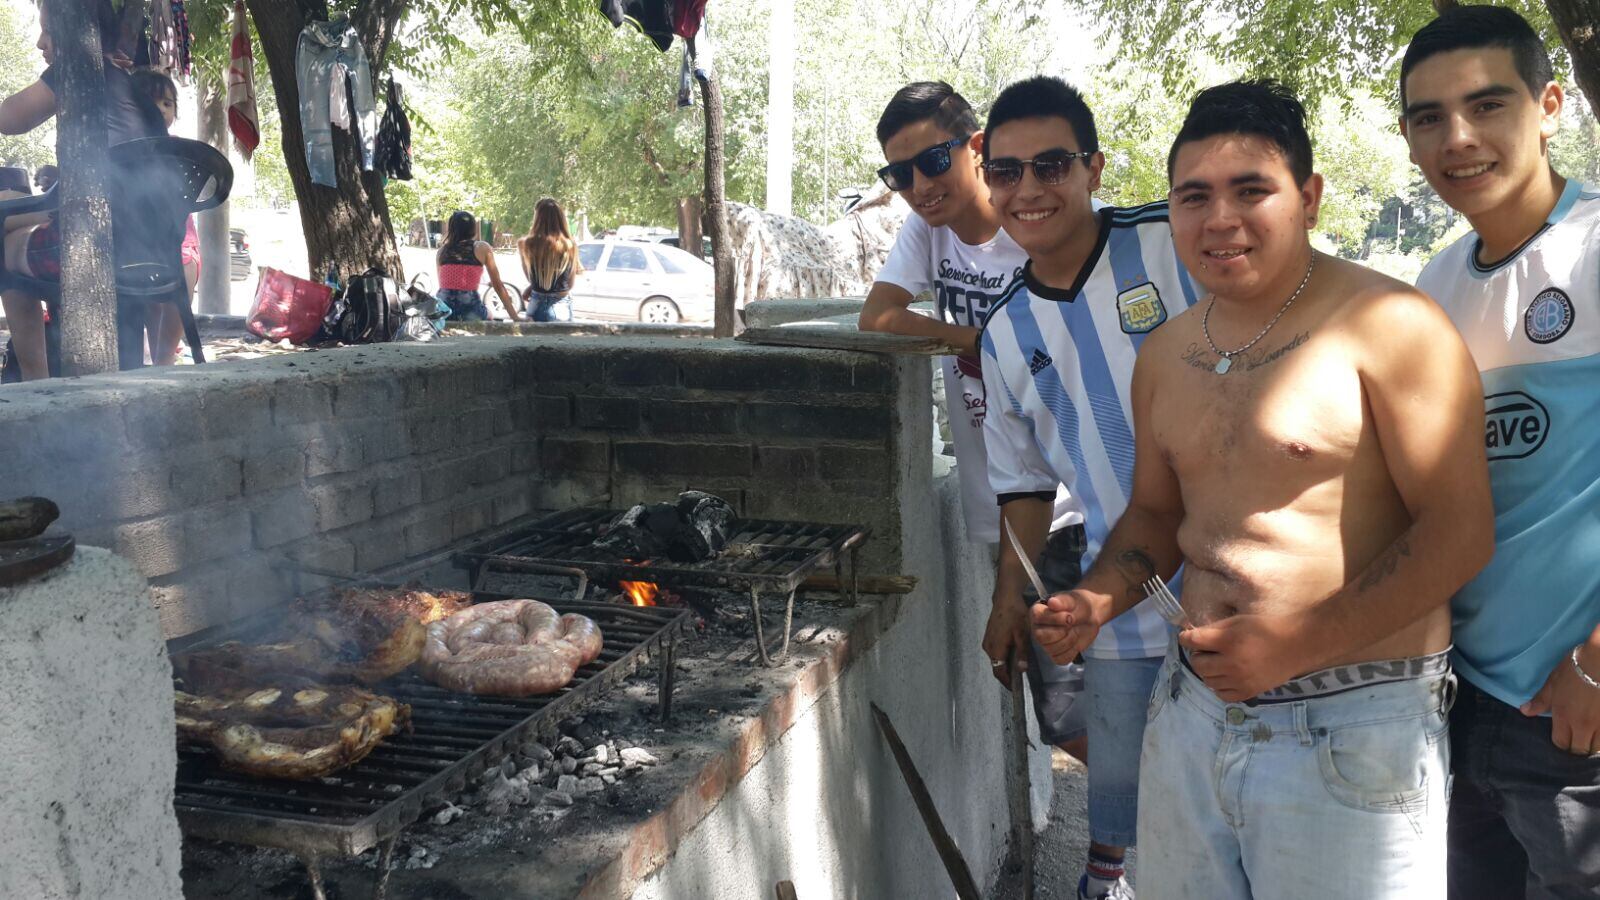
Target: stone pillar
[(87, 754)]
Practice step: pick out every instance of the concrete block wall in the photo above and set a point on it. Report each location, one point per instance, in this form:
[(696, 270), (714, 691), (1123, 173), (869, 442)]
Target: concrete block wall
[(215, 480)]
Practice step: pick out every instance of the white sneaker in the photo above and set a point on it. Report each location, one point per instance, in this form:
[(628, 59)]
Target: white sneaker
[(1119, 891)]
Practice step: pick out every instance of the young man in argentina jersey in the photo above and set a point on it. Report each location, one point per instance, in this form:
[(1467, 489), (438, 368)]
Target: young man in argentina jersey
[(954, 248), (1058, 355), (1307, 444), (1479, 105)]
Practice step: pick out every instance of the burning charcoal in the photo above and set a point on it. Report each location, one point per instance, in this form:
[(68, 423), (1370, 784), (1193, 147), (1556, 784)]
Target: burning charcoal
[(608, 779), (623, 743), (590, 785), (600, 753), (567, 784), (558, 798), (539, 753), (638, 756), (590, 768), (710, 519), (530, 775), (609, 772), (508, 767), (568, 765), (569, 747), (693, 529)]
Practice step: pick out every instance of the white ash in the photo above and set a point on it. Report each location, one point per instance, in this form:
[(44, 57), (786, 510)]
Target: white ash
[(450, 813), (635, 757)]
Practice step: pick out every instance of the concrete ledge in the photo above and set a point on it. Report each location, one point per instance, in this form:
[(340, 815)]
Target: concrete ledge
[(640, 329)]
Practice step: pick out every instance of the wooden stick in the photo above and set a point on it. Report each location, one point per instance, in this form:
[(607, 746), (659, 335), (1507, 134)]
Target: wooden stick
[(949, 853), (866, 584)]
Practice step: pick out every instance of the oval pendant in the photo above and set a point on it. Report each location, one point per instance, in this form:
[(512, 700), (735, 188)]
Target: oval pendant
[(1224, 364)]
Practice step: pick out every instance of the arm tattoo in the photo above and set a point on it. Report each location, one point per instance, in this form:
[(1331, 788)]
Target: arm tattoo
[(1137, 567), (1385, 564)]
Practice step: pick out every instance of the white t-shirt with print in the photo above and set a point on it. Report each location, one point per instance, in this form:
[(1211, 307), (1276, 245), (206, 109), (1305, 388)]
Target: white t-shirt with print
[(965, 281)]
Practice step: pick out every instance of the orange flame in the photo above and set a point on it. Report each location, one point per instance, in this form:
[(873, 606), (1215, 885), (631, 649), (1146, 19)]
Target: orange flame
[(642, 593)]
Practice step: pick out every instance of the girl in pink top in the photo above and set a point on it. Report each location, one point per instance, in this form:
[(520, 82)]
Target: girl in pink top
[(462, 260)]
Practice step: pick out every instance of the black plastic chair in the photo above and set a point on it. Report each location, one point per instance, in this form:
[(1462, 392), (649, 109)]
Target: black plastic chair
[(156, 184)]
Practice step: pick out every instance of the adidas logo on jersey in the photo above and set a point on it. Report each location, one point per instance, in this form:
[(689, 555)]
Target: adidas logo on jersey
[(1039, 362)]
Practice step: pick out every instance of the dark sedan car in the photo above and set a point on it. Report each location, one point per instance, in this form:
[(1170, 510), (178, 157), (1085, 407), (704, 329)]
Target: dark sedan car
[(239, 255)]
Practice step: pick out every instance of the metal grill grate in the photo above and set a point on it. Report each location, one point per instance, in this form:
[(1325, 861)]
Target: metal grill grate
[(762, 556), (453, 738)]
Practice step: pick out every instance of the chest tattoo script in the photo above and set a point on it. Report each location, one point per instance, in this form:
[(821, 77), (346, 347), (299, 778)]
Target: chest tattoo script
[(1201, 358)]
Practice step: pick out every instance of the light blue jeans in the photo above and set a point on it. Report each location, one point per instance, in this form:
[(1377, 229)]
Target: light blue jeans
[(1338, 797), (1118, 693)]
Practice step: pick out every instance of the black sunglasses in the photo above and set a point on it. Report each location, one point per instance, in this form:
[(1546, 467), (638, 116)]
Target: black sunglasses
[(1050, 167), (932, 162)]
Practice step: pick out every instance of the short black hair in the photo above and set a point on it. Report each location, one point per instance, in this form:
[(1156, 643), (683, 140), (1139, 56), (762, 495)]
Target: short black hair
[(1474, 27), (1041, 97), (923, 100), (1260, 108)]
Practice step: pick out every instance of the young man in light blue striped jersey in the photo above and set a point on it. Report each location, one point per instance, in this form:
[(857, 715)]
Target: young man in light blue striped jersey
[(1058, 356)]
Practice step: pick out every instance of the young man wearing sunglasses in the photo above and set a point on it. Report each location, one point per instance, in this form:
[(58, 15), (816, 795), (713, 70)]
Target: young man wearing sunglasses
[(954, 249), (1307, 444), (1479, 106), (1058, 354)]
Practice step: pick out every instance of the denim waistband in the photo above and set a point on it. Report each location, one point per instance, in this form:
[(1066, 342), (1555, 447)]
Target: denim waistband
[(1371, 702), (1349, 677)]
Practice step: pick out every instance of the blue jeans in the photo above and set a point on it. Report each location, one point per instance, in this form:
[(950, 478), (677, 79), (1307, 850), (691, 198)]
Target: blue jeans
[(1338, 797), (1118, 691), (549, 307), (465, 306)]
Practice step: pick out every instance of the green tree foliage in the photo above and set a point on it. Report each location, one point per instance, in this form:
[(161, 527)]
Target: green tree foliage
[(1317, 47), (20, 64)]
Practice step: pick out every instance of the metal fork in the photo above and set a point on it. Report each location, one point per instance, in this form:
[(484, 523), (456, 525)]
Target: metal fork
[(1167, 604)]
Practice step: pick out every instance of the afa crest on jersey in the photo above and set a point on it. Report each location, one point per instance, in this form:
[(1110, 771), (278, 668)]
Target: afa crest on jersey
[(1140, 309)]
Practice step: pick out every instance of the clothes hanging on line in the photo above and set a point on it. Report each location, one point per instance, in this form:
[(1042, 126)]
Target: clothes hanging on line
[(323, 47), (243, 118), (687, 16), (394, 137), (653, 18), (163, 37), (184, 40)]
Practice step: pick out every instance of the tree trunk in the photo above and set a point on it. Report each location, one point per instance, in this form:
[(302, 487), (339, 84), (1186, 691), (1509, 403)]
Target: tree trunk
[(690, 234), (347, 226), (1578, 21), (88, 277), (725, 324), (216, 264)]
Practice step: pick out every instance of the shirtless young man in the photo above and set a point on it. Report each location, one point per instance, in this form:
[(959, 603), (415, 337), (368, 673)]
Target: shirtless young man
[(1480, 104), (1308, 441)]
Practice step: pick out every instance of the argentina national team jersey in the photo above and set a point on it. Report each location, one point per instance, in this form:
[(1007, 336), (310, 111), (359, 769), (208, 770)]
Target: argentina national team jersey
[(1532, 323), (1058, 365)]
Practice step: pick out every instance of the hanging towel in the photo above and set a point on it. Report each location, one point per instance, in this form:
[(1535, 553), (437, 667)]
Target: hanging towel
[(243, 119), (180, 27)]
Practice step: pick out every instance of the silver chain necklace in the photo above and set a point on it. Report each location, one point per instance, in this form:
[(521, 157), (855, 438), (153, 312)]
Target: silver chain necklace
[(1226, 362)]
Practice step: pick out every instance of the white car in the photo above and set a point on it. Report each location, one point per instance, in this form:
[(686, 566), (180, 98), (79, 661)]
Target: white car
[(636, 281)]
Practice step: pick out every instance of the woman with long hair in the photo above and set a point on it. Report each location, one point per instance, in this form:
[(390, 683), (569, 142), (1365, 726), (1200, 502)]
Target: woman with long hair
[(550, 260), (462, 260)]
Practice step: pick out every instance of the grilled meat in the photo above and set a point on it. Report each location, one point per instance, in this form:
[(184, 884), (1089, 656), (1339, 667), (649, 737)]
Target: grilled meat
[(509, 648), (293, 729), (26, 517)]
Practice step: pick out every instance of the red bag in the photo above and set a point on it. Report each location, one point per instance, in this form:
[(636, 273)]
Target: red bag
[(288, 307)]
